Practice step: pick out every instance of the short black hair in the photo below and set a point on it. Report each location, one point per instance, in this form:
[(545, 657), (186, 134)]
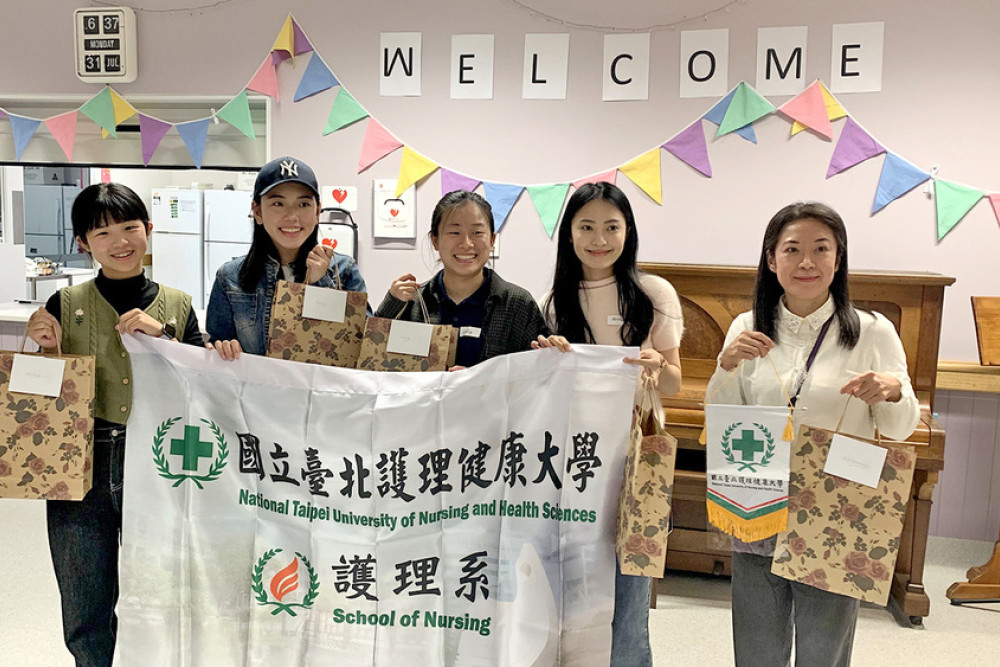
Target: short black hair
[(103, 204)]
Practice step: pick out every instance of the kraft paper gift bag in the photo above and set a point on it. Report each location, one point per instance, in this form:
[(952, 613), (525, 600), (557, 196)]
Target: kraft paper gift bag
[(47, 442), (376, 357), (644, 506), (843, 536), (295, 337)]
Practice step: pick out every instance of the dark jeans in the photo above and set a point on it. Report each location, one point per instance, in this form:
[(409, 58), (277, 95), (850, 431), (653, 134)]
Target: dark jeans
[(84, 538), (630, 627)]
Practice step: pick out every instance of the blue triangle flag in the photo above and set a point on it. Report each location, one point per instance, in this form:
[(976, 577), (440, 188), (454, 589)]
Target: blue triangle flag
[(194, 134), (718, 112), (316, 79), (501, 197), (898, 177), (23, 129)]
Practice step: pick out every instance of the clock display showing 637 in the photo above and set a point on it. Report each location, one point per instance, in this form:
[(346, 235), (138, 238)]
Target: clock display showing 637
[(105, 44)]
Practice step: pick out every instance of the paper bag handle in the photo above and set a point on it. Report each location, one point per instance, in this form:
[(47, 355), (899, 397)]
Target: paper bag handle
[(878, 432), (421, 303), (24, 339)]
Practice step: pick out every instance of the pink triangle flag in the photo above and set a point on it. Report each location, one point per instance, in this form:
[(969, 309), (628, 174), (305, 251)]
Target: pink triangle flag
[(451, 181), (378, 143), (151, 130), (690, 148), (63, 128), (809, 108), (995, 203), (300, 40), (853, 147), (266, 79), (608, 176)]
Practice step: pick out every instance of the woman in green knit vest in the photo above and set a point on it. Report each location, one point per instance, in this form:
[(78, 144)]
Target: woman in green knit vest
[(111, 223)]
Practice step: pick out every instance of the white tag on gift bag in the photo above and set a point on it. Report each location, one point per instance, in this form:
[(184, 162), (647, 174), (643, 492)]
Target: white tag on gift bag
[(37, 375), (855, 460), (323, 303), (410, 338)]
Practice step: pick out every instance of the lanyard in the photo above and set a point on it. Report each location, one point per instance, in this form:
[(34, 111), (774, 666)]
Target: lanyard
[(812, 357)]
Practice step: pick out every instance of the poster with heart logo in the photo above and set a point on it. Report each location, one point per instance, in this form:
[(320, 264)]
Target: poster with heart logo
[(339, 196), (393, 217)]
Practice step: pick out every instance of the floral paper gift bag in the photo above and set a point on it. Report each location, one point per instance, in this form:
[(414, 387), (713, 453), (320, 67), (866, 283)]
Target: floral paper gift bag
[(644, 507), (294, 337), (47, 443), (842, 536), (375, 356)]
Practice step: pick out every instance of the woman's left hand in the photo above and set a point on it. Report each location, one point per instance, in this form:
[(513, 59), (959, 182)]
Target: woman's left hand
[(872, 388), (317, 262), (551, 341), (652, 362), (139, 321)]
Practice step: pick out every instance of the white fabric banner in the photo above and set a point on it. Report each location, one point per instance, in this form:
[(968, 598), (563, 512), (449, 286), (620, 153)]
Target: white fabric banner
[(288, 514)]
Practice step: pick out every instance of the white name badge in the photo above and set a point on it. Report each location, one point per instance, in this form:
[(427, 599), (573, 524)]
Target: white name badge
[(323, 303), (469, 332), (37, 375), (410, 338), (855, 460), (615, 320)]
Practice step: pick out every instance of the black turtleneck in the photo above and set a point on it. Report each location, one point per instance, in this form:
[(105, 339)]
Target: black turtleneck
[(127, 293)]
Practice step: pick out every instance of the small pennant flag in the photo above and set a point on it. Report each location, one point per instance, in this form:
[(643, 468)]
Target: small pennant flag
[(853, 147), (953, 201), (151, 130), (265, 81), (898, 177), (502, 197), (607, 177), (995, 203), (413, 169), (690, 148), (747, 106), (548, 201), (833, 109), (451, 181), (101, 109), (718, 112), (345, 111), (378, 143), (285, 41), (644, 171), (237, 113), (194, 133), (809, 109), (63, 128), (23, 129), (123, 111), (316, 79), (299, 39)]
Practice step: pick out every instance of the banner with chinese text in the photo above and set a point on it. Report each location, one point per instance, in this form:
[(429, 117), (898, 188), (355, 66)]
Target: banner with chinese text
[(294, 514)]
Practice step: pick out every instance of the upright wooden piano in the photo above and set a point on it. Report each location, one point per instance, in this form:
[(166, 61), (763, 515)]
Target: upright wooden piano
[(711, 297)]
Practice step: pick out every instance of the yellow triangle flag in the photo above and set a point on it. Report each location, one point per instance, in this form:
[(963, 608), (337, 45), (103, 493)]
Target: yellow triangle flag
[(123, 111), (644, 171), (833, 109), (413, 169), (286, 38)]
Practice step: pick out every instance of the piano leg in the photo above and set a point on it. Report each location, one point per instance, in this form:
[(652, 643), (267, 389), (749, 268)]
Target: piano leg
[(908, 584)]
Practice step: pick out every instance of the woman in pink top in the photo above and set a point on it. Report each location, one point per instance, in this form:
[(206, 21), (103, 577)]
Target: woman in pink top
[(598, 296)]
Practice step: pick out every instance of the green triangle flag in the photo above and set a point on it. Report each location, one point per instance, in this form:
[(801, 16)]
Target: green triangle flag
[(952, 201), (237, 113), (101, 109), (345, 111), (746, 107), (548, 201)]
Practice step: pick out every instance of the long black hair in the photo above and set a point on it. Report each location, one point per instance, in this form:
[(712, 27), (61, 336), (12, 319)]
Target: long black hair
[(634, 305), (768, 291), (262, 247)]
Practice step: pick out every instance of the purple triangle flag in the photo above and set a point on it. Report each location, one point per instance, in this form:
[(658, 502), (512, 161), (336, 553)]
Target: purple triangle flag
[(501, 197), (898, 177), (194, 134), (279, 57), (23, 129), (853, 147), (151, 130), (316, 79), (300, 40), (718, 112), (690, 148), (451, 181)]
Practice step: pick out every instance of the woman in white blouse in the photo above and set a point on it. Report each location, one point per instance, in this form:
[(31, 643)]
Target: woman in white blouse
[(802, 305)]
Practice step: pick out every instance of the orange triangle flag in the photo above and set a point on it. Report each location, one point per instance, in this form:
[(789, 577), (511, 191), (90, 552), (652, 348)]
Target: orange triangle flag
[(63, 128), (265, 81), (809, 109), (378, 143)]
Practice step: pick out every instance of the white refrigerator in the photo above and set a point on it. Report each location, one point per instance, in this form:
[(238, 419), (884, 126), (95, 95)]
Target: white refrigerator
[(177, 218), (228, 230)]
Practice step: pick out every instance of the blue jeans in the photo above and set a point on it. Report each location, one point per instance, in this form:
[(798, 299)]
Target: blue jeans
[(630, 627), (84, 538)]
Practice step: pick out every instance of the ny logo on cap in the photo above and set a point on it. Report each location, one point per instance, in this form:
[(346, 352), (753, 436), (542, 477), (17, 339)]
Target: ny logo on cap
[(289, 168)]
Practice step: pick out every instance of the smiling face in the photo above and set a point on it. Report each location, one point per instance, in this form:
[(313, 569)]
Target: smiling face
[(289, 214), (464, 241), (118, 247), (805, 261), (599, 233)]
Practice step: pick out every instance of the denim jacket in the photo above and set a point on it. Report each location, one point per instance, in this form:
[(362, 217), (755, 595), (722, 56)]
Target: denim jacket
[(233, 313)]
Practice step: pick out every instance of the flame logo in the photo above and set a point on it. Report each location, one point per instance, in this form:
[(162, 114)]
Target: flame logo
[(286, 580)]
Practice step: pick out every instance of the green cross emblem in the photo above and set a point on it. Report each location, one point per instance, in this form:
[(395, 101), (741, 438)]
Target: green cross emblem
[(191, 448), (747, 445)]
